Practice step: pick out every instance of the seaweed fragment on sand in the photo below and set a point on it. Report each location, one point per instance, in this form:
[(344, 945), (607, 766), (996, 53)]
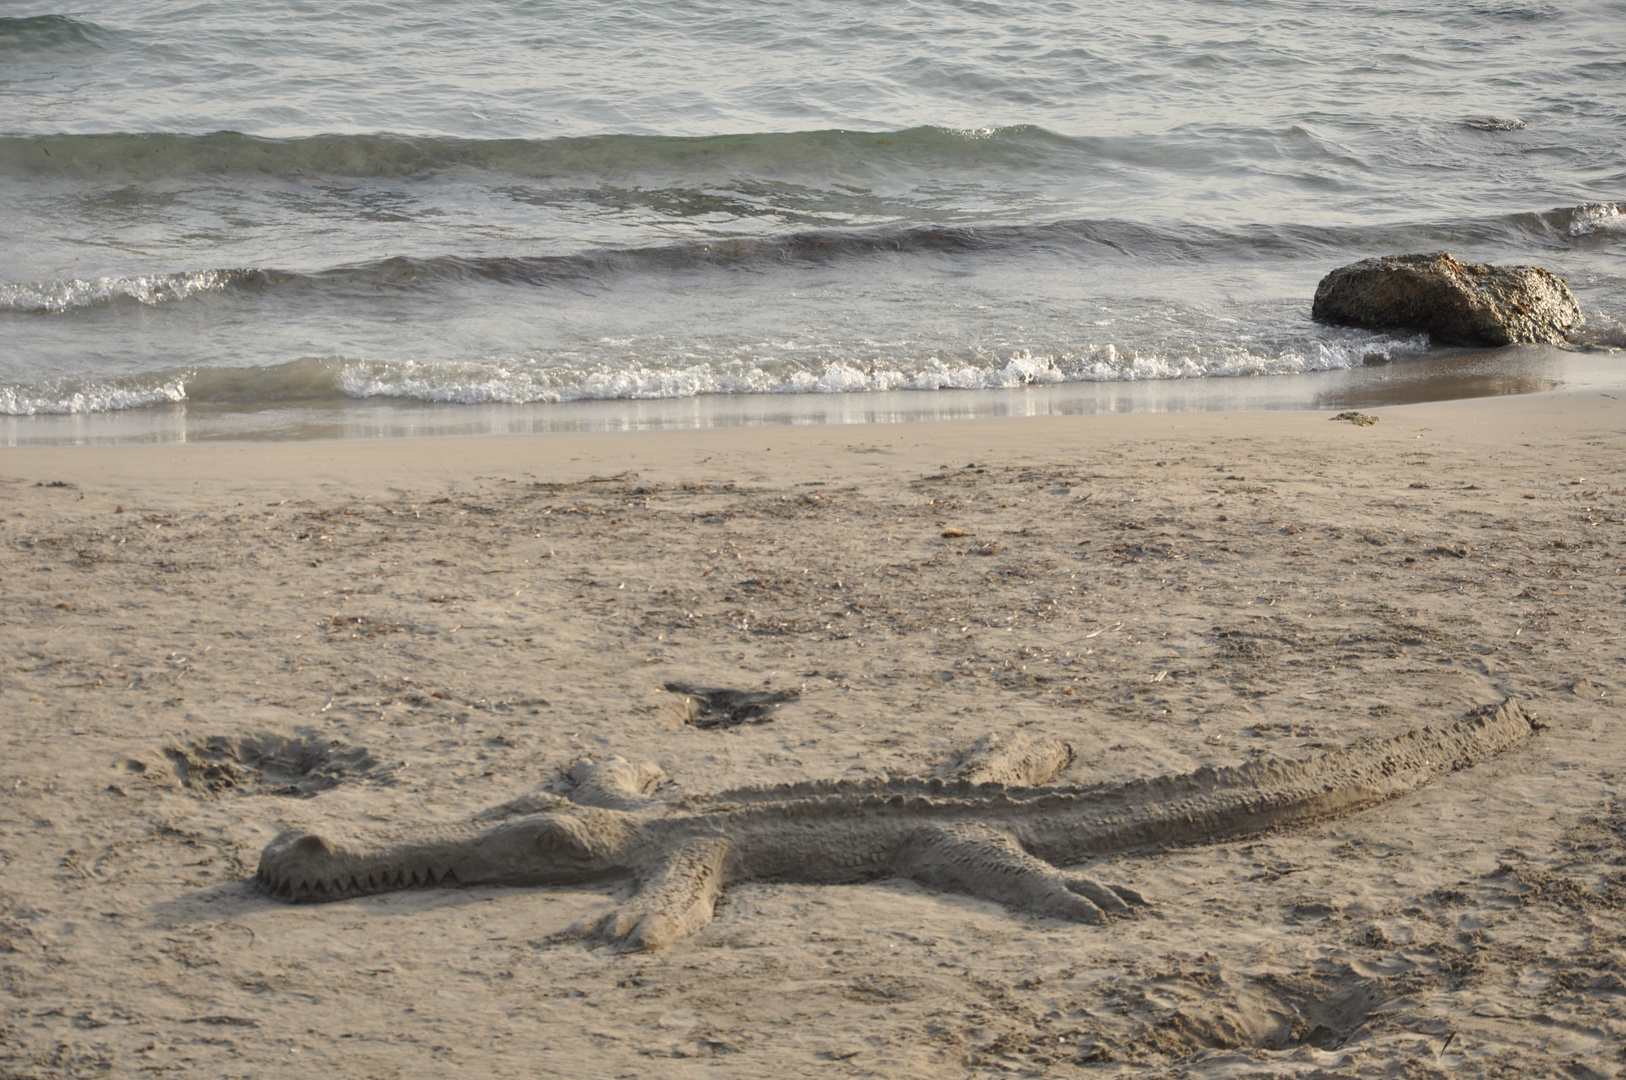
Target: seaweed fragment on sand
[(715, 707)]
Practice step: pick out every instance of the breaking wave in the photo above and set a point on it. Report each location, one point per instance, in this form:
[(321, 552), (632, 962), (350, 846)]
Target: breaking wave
[(333, 380), (54, 297)]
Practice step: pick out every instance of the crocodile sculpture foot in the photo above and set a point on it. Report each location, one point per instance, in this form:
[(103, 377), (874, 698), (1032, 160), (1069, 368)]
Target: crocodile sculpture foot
[(995, 831)]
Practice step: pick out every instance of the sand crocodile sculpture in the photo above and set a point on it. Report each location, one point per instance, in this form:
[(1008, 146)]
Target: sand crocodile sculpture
[(995, 831)]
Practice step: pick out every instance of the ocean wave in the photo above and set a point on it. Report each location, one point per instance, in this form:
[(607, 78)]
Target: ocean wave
[(55, 297), (36, 33), (1590, 219), (1600, 333), (67, 396), (1175, 242), (148, 156), (331, 380)]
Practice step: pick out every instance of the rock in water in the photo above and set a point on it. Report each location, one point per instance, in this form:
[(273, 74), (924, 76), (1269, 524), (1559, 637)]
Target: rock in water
[(1456, 303)]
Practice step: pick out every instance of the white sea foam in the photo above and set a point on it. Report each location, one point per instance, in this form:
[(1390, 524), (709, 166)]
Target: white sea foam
[(524, 381), (59, 400), (1593, 218), (59, 296), (517, 382)]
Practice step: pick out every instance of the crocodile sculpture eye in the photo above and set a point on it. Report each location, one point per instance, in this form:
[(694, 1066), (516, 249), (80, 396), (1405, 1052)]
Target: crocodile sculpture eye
[(294, 849), (561, 838), (310, 844), (562, 847)]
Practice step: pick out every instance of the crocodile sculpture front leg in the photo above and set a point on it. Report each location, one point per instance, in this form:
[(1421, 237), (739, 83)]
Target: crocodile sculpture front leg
[(674, 901)]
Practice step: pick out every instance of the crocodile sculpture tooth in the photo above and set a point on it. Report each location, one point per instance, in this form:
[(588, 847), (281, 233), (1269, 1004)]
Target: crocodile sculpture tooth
[(1001, 843)]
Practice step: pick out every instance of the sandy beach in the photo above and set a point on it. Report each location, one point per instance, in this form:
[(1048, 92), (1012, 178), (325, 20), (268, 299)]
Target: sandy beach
[(208, 644)]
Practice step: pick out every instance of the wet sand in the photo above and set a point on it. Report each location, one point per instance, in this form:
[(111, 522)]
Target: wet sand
[(212, 643)]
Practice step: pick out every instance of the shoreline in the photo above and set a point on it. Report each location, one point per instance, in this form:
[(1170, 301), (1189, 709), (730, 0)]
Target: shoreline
[(1450, 374), (574, 456), (213, 642)]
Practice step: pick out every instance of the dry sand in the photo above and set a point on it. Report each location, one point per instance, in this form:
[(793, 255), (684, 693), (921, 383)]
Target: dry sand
[(205, 645)]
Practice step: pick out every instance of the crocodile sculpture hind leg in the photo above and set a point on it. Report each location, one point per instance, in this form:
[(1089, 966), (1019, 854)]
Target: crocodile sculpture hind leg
[(980, 861)]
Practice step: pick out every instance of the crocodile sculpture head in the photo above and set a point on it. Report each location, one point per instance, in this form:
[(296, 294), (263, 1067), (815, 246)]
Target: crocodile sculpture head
[(560, 846)]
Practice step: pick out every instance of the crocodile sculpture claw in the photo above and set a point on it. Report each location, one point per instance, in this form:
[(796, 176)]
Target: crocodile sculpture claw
[(993, 839)]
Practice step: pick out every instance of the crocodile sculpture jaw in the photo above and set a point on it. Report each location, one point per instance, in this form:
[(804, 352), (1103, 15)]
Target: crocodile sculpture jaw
[(1000, 839)]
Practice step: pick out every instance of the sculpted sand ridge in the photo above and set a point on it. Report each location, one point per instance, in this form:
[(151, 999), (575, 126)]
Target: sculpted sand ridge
[(987, 840)]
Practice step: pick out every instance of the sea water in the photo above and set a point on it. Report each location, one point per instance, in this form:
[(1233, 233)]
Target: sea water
[(267, 207)]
